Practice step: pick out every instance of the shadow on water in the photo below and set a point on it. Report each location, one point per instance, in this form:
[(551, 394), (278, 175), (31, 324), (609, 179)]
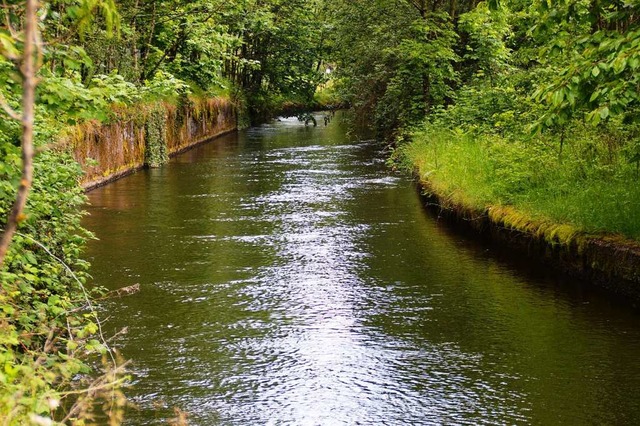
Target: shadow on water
[(289, 278), (533, 269)]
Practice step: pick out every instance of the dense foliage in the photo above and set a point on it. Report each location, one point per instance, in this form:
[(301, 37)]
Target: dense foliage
[(532, 104), (50, 340), (48, 337), (271, 51), (400, 61)]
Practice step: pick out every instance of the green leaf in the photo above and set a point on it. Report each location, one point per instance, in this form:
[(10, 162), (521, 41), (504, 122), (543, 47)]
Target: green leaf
[(619, 65), (8, 48), (558, 97)]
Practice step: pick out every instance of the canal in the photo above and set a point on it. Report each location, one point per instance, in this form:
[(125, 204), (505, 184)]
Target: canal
[(289, 277)]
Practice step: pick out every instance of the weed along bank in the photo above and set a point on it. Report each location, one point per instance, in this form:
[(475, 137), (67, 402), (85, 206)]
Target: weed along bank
[(523, 195), (147, 135)]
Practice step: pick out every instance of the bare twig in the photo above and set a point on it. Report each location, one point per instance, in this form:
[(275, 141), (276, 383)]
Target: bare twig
[(84, 292), (7, 20), (122, 332), (99, 384), (124, 291), (29, 82), (107, 381)]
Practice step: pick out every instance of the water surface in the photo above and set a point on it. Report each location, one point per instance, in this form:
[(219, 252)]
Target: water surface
[(288, 277)]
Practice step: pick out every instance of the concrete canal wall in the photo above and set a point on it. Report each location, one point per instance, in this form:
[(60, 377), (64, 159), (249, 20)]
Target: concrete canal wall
[(610, 262), (147, 135)]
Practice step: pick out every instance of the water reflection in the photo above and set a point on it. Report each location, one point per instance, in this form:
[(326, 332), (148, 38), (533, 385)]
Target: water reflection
[(288, 278)]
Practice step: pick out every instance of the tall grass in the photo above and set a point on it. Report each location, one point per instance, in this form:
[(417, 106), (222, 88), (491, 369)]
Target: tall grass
[(589, 183)]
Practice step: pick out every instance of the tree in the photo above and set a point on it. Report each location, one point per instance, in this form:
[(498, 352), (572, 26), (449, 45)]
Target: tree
[(396, 60), (596, 56), (278, 50)]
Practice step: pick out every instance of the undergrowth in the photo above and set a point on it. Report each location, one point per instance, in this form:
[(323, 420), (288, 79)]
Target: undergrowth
[(50, 338)]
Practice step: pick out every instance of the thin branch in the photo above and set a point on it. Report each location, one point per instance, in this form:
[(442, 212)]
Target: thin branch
[(420, 6), (103, 382), (39, 52), (8, 21), (97, 386), (29, 82), (84, 292), (122, 332), (123, 291)]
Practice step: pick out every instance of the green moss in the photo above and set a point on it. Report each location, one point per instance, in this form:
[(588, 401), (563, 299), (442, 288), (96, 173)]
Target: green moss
[(156, 151)]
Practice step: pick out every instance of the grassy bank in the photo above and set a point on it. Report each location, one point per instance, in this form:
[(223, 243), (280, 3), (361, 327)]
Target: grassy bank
[(586, 186)]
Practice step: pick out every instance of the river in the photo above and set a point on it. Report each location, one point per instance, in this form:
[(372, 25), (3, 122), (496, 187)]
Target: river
[(289, 277)]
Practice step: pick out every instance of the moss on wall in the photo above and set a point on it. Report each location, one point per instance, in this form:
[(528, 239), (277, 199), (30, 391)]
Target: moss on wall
[(155, 127), (146, 135), (609, 261)]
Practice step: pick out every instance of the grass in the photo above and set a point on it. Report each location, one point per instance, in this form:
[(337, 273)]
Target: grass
[(589, 187)]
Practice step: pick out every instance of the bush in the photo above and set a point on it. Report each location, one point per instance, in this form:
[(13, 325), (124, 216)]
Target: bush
[(49, 338)]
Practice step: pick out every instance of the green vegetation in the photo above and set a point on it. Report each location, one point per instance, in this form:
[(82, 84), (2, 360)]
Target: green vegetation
[(49, 338), (593, 188), (531, 105), (155, 130)]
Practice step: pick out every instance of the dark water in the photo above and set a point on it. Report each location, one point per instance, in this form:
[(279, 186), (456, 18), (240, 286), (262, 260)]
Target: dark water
[(289, 278)]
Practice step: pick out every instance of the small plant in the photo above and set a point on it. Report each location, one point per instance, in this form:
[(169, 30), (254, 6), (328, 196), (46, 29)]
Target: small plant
[(164, 86)]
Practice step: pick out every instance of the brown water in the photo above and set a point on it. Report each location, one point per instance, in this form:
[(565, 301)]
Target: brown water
[(288, 277)]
